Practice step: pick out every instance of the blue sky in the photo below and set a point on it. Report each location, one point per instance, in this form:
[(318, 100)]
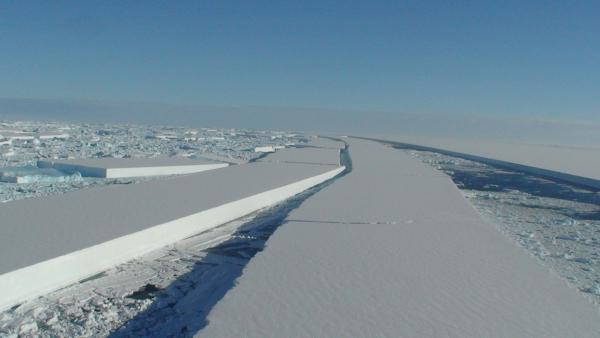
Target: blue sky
[(493, 59)]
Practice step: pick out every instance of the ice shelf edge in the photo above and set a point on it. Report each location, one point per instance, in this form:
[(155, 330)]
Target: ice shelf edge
[(44, 277)]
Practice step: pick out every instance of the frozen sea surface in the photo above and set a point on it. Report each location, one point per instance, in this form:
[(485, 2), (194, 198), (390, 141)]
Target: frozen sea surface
[(557, 222)]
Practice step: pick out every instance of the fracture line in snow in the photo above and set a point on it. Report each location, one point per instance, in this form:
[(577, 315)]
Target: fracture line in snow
[(408, 221)]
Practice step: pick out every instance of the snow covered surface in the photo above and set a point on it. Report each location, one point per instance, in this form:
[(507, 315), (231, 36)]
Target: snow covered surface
[(132, 167), (101, 304), (167, 292), (310, 155), (557, 222), (574, 160), (393, 249), (57, 240)]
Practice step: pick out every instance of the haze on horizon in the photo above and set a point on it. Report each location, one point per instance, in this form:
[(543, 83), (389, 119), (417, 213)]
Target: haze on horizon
[(510, 70)]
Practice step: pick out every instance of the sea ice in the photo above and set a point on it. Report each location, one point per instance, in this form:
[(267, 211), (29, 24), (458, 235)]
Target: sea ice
[(31, 141)]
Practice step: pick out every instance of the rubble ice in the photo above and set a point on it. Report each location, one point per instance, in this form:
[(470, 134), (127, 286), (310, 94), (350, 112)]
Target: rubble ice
[(22, 143)]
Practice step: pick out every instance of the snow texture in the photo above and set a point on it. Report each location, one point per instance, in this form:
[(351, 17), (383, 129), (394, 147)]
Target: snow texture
[(150, 294), (393, 249), (167, 292), (51, 242)]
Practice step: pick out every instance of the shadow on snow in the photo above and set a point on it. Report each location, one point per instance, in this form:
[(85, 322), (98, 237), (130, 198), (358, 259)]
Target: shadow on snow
[(181, 309)]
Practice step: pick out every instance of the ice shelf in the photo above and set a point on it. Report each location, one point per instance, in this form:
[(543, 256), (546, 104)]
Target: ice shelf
[(53, 241), (132, 167), (393, 249)]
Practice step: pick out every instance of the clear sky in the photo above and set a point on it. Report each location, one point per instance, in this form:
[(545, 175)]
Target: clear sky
[(484, 58)]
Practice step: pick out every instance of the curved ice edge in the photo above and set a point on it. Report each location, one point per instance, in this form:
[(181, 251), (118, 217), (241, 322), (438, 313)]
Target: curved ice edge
[(581, 181), (44, 277)]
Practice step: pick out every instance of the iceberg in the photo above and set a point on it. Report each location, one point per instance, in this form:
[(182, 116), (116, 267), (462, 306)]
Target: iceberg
[(31, 174)]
